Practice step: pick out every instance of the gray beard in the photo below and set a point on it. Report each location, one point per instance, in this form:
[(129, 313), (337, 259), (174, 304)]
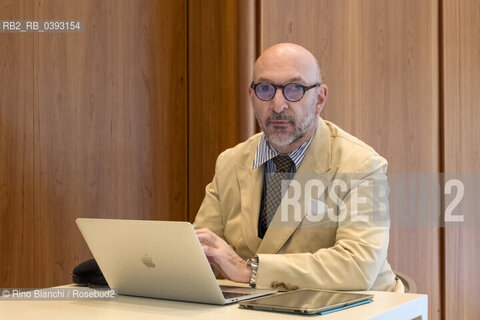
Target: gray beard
[(280, 137)]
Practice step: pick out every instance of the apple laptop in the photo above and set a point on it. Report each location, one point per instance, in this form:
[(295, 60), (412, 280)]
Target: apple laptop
[(157, 259)]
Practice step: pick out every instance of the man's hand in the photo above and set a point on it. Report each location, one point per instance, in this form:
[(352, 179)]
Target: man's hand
[(222, 256)]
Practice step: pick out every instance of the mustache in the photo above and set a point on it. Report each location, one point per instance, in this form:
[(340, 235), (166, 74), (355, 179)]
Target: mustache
[(280, 116)]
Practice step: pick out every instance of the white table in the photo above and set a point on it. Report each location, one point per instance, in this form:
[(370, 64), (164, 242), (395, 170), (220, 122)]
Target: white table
[(386, 305)]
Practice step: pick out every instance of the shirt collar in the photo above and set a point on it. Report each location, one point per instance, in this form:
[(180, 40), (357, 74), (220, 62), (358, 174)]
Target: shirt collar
[(265, 153)]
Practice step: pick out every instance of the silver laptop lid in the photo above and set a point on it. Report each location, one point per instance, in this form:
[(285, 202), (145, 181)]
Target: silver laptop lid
[(159, 259)]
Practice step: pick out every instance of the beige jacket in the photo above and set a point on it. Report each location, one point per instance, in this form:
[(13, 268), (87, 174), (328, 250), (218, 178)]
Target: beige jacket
[(299, 250)]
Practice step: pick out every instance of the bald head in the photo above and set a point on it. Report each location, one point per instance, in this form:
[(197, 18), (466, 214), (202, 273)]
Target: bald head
[(286, 62), (287, 122)]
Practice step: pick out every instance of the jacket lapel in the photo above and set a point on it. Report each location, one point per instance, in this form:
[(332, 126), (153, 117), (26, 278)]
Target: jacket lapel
[(251, 183), (316, 161)]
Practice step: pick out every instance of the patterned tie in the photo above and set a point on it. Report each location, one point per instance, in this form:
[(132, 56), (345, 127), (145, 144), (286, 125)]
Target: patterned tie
[(285, 168)]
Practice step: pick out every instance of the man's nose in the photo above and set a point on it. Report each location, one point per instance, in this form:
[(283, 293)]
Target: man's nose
[(279, 103)]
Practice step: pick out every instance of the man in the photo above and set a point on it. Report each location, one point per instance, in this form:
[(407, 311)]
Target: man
[(251, 235)]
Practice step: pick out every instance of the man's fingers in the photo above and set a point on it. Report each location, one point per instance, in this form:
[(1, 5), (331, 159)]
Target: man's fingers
[(209, 237), (212, 261), (206, 239), (207, 250), (211, 254), (203, 231)]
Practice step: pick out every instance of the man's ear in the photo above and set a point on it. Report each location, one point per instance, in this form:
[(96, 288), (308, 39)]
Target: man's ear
[(321, 98), (251, 96)]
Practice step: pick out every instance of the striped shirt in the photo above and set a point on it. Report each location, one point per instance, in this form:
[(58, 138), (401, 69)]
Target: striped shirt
[(265, 154)]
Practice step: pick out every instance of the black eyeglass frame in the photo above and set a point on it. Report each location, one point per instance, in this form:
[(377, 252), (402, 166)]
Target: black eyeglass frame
[(254, 86)]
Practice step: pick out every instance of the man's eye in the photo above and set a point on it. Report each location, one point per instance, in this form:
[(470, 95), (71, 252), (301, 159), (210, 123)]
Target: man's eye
[(264, 88)]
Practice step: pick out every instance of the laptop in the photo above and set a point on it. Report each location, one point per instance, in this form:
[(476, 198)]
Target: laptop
[(157, 259)]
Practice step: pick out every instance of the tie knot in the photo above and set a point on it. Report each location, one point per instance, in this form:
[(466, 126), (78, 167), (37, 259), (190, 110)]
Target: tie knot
[(283, 163)]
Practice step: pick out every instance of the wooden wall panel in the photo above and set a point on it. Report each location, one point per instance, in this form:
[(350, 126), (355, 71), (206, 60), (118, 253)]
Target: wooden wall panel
[(110, 122), (212, 94), (16, 149), (247, 53), (461, 80), (380, 62)]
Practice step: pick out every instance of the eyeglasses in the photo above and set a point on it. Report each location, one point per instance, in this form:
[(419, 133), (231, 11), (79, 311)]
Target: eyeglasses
[(293, 92)]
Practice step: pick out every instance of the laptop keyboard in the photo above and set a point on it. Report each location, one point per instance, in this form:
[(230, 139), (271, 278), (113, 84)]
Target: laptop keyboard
[(229, 295)]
